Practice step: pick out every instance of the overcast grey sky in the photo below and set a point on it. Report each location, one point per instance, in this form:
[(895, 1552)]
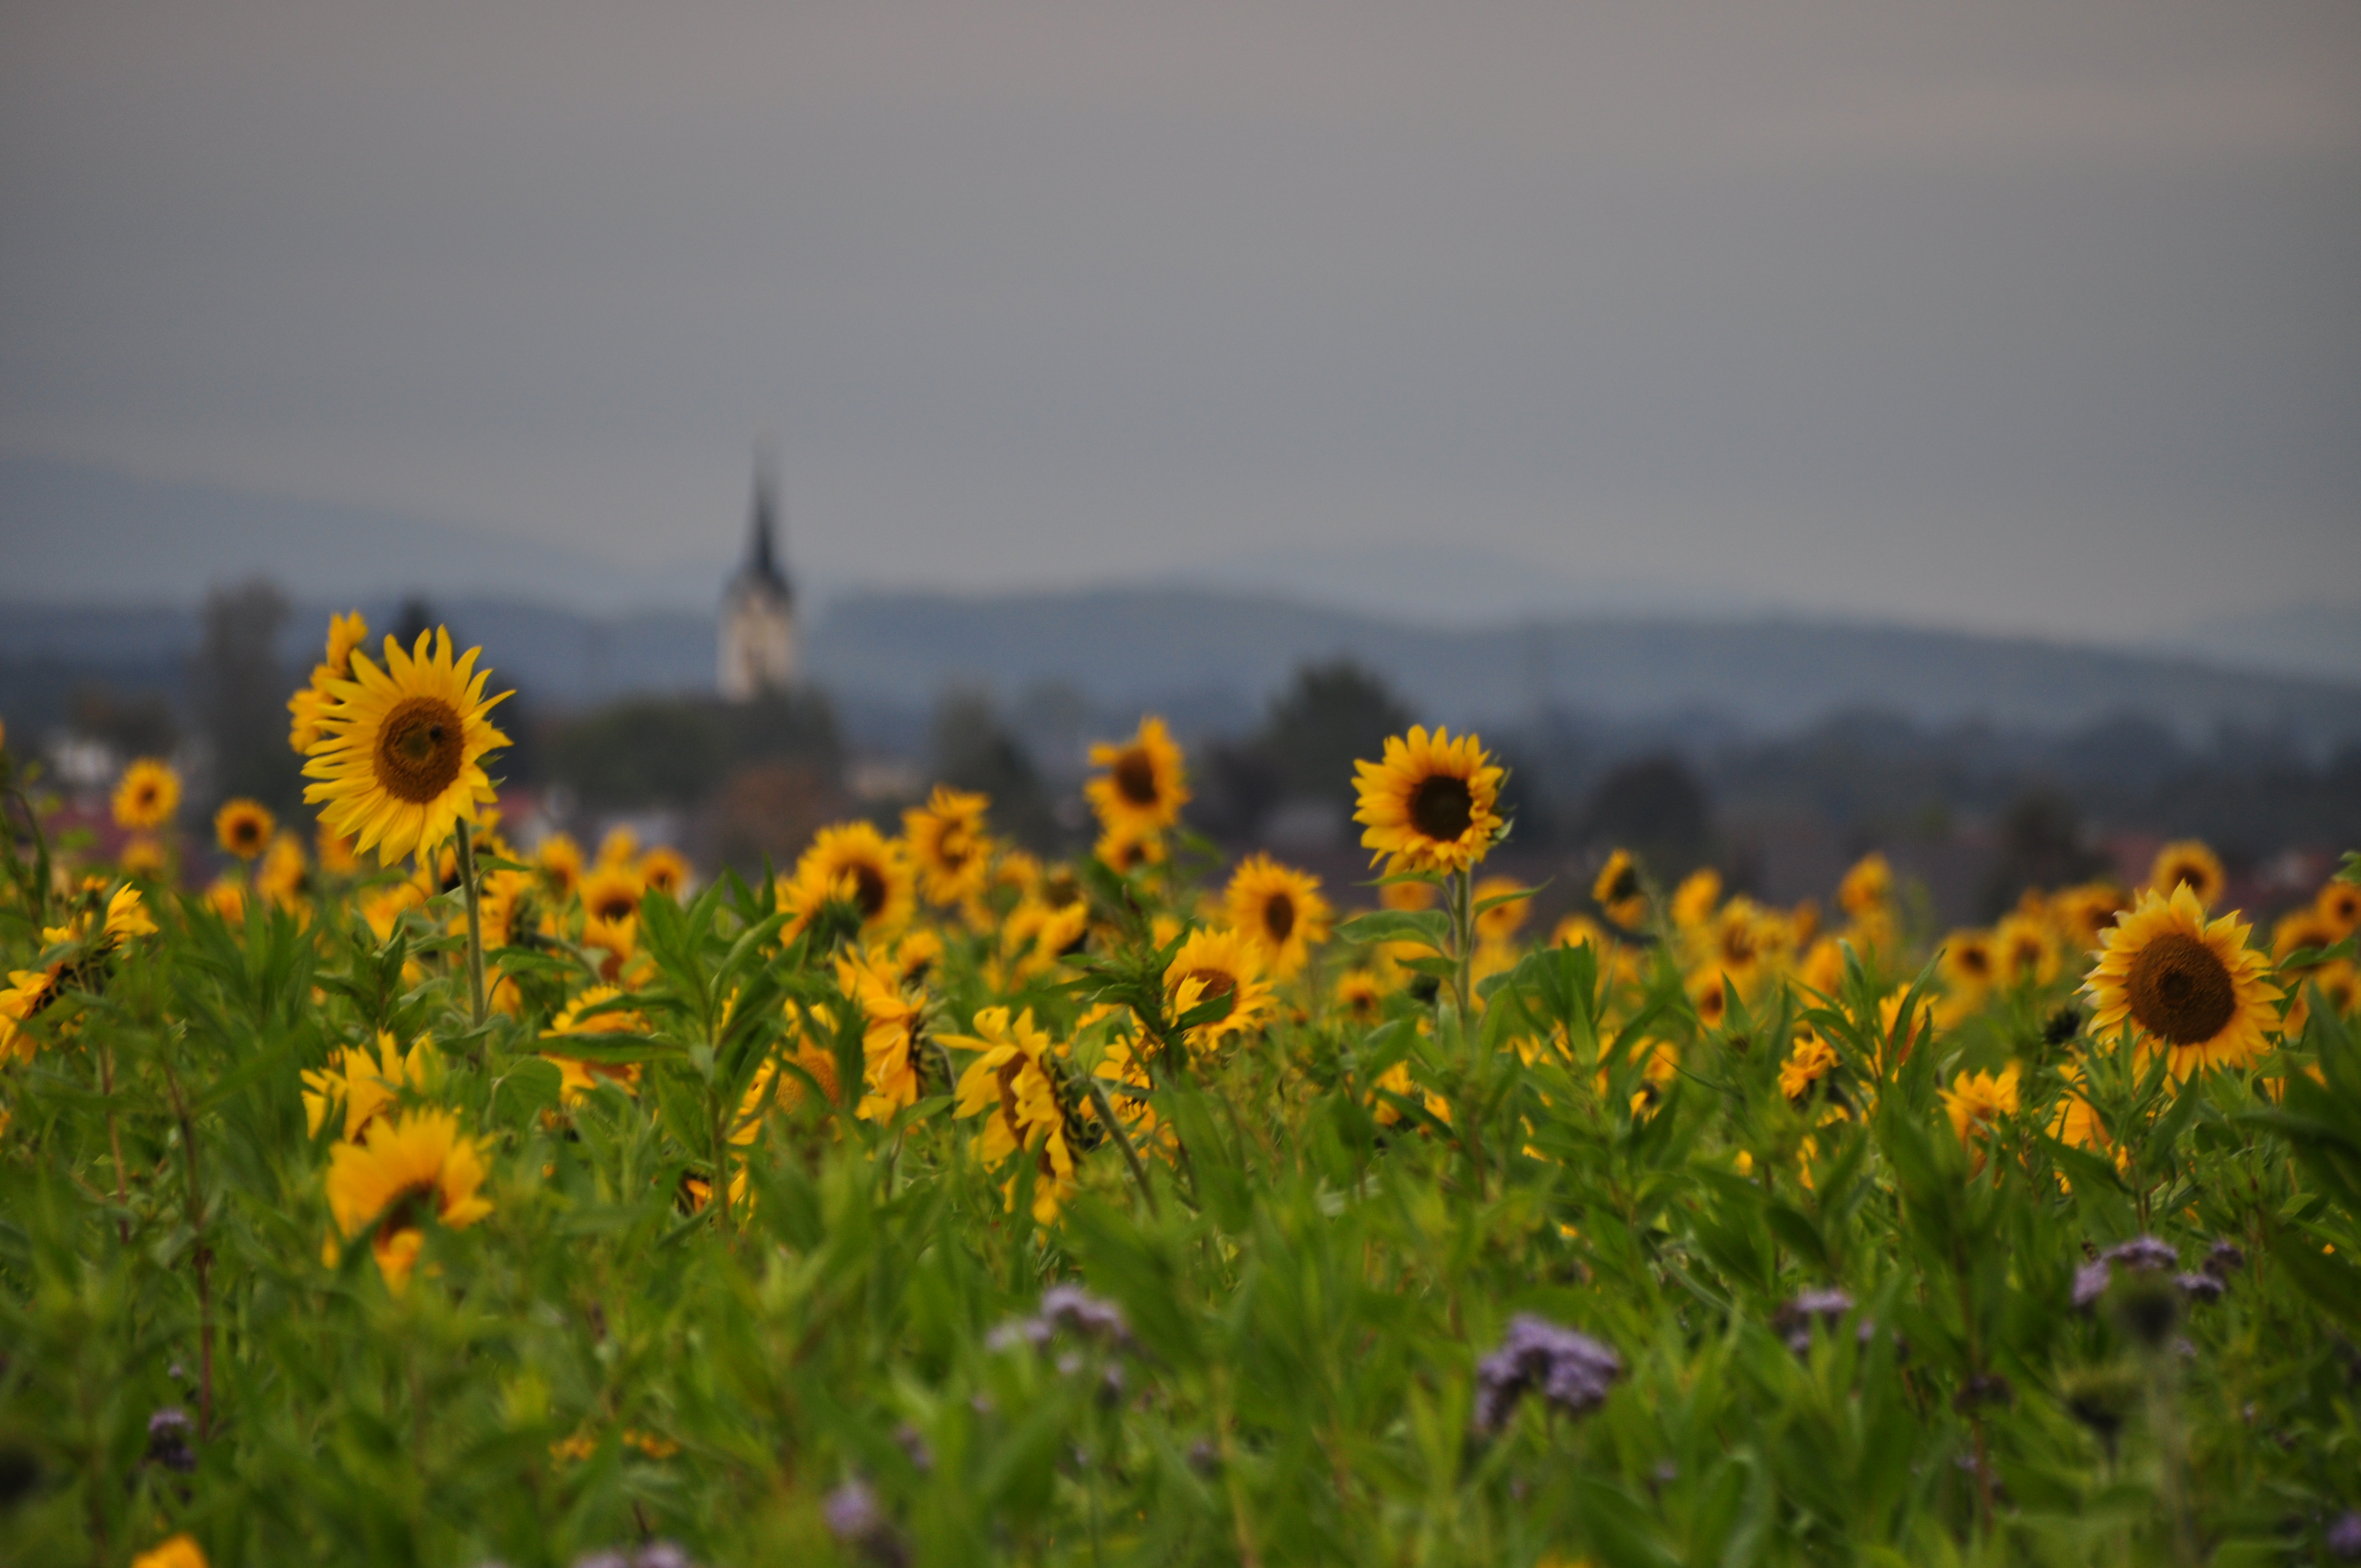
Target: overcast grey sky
[(2041, 315)]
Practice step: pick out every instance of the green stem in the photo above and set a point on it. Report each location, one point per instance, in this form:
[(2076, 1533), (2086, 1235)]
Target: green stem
[(1122, 1139), (200, 1255), (1463, 932), (474, 927)]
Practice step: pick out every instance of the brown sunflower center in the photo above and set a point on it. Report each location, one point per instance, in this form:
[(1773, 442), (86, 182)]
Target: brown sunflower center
[(1279, 917), (2181, 990), (1738, 944), (1135, 776), (617, 905), (1217, 982), (869, 891), (246, 832), (408, 1211), (1975, 961), (1625, 886), (420, 749), (1442, 806)]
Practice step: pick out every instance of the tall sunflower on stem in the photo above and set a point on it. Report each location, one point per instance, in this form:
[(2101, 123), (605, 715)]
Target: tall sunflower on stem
[(1431, 804), (400, 761)]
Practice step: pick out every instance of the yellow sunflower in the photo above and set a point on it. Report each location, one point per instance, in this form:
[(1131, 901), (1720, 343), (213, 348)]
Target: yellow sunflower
[(1127, 850), (400, 757), (2195, 989), (889, 1037), (1696, 898), (1009, 1085), (1501, 921), (1969, 962), (2084, 913), (2339, 903), (2188, 863), (1975, 1103), (854, 863), (1710, 994), (2021, 951), (1361, 996), (148, 794), (560, 863), (949, 841), (578, 1078), (367, 1085), (1868, 886), (29, 992), (1734, 940), (180, 1551), (1407, 896), (406, 1170), (611, 895), (2301, 928), (1213, 963), (1810, 1059), (1144, 788), (621, 846), (226, 898), (1617, 892), (283, 878), (666, 871), (1279, 907), (143, 856), (1580, 931), (1429, 803)]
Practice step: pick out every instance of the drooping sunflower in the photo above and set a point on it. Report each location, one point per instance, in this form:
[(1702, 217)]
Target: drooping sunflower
[(1617, 890), (148, 794), (1810, 1059), (406, 1170), (2194, 989), (180, 1551), (854, 863), (666, 871), (1009, 1085), (1281, 908), (890, 1018), (949, 841), (2189, 863), (1213, 963), (1429, 803), (1143, 787), (400, 757)]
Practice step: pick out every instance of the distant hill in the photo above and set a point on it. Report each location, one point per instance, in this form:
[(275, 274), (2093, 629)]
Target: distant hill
[(1210, 653), (1769, 674), (74, 534)]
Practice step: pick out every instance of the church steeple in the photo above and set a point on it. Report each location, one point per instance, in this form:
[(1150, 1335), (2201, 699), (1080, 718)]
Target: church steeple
[(757, 651)]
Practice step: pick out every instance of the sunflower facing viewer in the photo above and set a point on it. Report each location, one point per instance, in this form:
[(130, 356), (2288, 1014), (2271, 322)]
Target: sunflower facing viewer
[(1429, 804), (243, 827), (400, 757), (1280, 908), (148, 795), (1142, 789), (2196, 989)]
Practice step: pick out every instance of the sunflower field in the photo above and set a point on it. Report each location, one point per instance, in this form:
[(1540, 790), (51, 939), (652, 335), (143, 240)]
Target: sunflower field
[(408, 1196)]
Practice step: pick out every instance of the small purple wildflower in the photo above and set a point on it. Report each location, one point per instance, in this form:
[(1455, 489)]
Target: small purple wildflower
[(2090, 1284), (855, 1518), (2344, 1539), (1794, 1321), (2224, 1260), (168, 1440), (1075, 1310), (1571, 1371), (2199, 1287), (2143, 1251)]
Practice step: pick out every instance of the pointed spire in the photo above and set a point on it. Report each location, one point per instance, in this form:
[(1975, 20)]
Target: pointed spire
[(762, 555)]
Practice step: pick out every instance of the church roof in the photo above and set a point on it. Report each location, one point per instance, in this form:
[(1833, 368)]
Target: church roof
[(761, 567)]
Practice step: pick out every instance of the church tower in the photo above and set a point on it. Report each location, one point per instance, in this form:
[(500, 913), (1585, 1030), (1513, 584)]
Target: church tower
[(757, 651)]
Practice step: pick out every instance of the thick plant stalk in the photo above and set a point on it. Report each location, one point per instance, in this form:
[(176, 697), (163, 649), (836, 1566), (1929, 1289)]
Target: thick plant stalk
[(1122, 1140), (474, 927), (1463, 935)]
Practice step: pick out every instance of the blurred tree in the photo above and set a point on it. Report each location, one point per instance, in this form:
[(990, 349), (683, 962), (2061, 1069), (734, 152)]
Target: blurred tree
[(242, 694), (1655, 807), (2040, 846), (972, 749), (415, 616), (641, 752), (1334, 715)]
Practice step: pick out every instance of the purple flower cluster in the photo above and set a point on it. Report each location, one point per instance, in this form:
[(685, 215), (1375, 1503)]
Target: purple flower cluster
[(655, 1554), (855, 1518), (1794, 1321), (1071, 1309), (168, 1440), (2145, 1254), (1571, 1371)]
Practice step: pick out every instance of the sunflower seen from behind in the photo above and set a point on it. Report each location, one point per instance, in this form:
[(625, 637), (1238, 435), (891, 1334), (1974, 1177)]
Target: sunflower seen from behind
[(1429, 803), (1145, 785), (148, 795), (1281, 908), (407, 1171), (1618, 892), (2182, 984), (400, 757)]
